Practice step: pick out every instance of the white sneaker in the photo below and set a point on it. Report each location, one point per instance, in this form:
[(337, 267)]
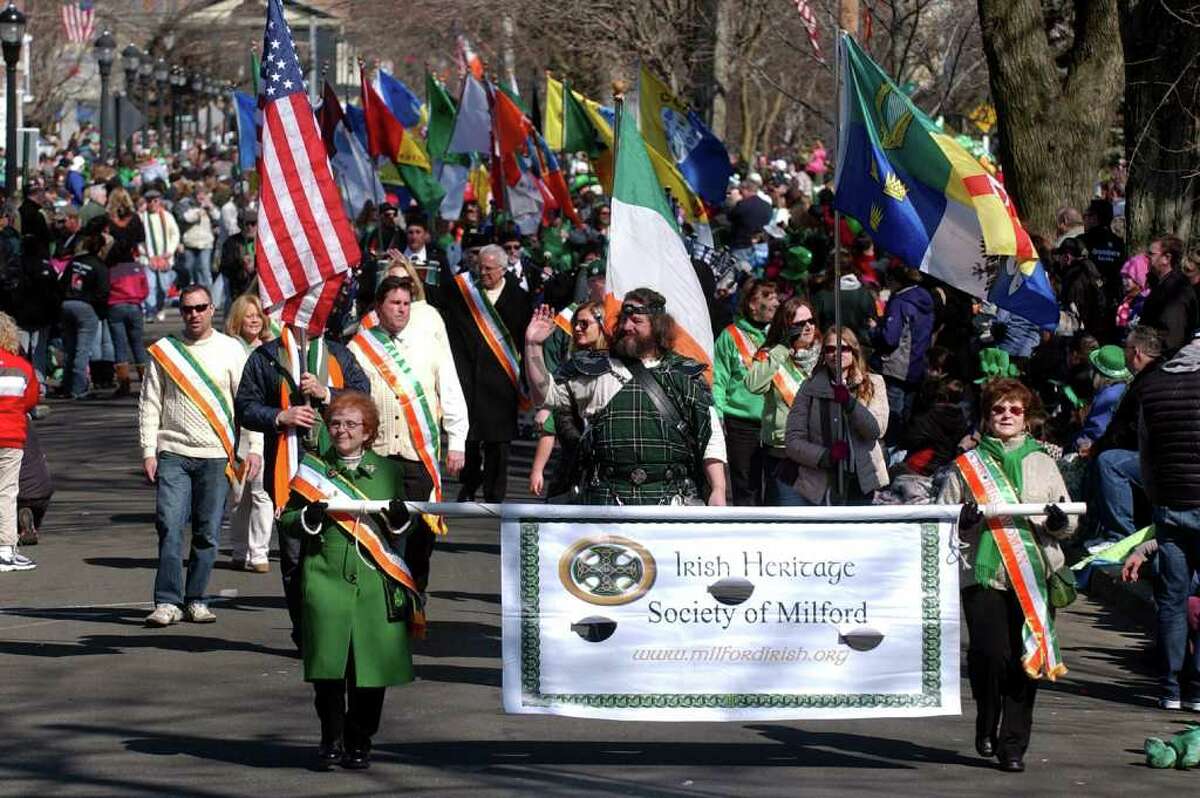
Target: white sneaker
[(160, 316), (164, 615), (12, 560), (198, 612), (1170, 703), (1191, 704)]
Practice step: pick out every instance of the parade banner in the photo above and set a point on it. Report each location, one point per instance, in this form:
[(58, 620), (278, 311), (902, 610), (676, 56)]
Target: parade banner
[(736, 620)]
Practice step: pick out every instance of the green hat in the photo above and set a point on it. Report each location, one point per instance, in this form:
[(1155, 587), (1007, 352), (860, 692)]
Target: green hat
[(597, 268), (993, 364), (1110, 361), (796, 264)]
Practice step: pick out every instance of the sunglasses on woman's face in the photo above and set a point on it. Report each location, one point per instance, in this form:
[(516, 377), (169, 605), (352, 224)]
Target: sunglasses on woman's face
[(1012, 410), (831, 349)]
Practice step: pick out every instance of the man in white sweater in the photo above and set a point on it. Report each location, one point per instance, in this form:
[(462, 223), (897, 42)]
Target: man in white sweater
[(157, 252), (415, 386), (188, 440)]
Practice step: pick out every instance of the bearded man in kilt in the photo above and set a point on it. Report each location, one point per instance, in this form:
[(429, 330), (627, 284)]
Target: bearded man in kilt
[(652, 435)]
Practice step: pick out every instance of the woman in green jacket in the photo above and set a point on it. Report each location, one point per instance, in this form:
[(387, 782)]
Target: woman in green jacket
[(359, 598), (785, 360)]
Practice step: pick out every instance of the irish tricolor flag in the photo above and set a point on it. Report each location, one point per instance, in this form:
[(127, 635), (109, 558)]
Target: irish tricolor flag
[(645, 249)]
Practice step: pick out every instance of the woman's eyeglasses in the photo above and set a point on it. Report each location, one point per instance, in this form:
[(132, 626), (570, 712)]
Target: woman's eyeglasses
[(1012, 410), (831, 349), (806, 323), (584, 323), (349, 426)]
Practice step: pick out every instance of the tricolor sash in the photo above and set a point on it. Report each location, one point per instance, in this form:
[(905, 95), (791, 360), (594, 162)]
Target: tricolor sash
[(787, 381), (565, 317), (369, 321), (745, 346), (1023, 563), (494, 333), (316, 481), (327, 369), (420, 414), (198, 385)]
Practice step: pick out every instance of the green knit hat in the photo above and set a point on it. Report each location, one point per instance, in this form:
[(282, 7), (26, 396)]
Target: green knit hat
[(1109, 360)]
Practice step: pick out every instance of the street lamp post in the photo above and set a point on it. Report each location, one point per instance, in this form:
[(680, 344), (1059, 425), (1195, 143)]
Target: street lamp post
[(211, 93), (145, 80), (162, 74), (178, 83), (197, 87), (106, 51), (12, 33), (131, 58)]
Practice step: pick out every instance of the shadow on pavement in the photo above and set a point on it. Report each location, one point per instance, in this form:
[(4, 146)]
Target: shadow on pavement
[(459, 639), (467, 548), (815, 746), (459, 674), (458, 595), (119, 644)]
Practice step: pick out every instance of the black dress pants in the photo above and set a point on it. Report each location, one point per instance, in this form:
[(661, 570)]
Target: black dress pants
[(744, 450), (348, 713), (418, 547), (291, 550), (1004, 694), (486, 467)]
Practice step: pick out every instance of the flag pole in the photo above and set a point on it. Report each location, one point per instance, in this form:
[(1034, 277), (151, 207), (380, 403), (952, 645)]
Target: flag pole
[(562, 144), (837, 260)]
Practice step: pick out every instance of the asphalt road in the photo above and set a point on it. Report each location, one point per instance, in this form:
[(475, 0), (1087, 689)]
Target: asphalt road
[(96, 704)]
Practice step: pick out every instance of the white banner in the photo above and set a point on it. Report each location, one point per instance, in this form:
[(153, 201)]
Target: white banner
[(730, 620)]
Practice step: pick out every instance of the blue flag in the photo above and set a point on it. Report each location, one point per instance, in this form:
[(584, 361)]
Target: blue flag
[(403, 104), (358, 123), (247, 116)]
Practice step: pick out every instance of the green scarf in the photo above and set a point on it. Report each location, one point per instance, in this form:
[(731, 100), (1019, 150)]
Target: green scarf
[(806, 360), (987, 558)]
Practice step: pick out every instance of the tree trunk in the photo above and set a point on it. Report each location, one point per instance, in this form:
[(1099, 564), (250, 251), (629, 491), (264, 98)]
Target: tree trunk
[(723, 66), (1162, 137), (1052, 125)]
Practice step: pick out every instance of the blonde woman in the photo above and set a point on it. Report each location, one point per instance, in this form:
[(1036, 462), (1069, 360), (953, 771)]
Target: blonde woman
[(253, 514), (20, 396), (842, 394)]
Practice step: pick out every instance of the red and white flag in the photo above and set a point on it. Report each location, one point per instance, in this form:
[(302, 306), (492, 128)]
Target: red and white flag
[(79, 21), (306, 243), (810, 25)]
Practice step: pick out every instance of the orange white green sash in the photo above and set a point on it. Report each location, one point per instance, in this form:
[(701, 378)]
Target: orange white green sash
[(316, 481), (419, 414), (1023, 563), (287, 447), (745, 346), (494, 333), (199, 386), (787, 381), (369, 321), (565, 317)]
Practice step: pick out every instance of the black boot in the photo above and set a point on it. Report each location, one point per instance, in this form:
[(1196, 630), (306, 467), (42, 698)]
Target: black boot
[(329, 754)]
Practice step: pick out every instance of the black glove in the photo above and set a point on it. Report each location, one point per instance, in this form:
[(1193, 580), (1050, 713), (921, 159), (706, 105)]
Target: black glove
[(970, 516), (313, 515), (1056, 519), (397, 514)]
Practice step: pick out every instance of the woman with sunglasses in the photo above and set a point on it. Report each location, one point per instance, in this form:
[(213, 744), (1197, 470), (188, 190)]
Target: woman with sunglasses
[(786, 359), (836, 421), (1005, 565), (587, 335)]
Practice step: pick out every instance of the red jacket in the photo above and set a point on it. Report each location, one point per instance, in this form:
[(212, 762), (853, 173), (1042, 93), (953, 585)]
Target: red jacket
[(127, 284), (18, 395)]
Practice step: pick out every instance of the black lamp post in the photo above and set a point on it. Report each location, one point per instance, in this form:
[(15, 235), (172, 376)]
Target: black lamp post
[(162, 74), (106, 52), (197, 86), (211, 93), (131, 58), (145, 81), (12, 34), (178, 84)]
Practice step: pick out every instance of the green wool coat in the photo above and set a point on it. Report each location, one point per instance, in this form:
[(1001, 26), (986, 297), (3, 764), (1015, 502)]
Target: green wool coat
[(346, 599)]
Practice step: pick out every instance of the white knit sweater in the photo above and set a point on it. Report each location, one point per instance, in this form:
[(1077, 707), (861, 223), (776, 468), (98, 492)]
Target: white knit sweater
[(168, 421)]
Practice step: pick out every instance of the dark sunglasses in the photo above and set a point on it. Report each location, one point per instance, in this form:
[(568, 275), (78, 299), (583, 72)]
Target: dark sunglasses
[(832, 350), (186, 309), (805, 323)]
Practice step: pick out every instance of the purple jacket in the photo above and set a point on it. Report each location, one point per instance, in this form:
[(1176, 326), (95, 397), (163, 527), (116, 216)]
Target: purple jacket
[(902, 341)]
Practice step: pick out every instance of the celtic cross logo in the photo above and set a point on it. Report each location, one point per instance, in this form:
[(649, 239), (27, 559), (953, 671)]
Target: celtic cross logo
[(607, 570)]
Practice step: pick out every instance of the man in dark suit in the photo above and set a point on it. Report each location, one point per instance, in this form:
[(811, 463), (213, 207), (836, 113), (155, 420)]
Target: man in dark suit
[(482, 312)]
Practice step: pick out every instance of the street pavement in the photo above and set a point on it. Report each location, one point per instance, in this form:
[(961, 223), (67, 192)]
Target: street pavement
[(96, 704)]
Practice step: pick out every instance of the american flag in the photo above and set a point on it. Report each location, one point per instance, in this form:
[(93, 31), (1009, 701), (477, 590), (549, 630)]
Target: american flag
[(810, 25), (79, 20), (306, 243)]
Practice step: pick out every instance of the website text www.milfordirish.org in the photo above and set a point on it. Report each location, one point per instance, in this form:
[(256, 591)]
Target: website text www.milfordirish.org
[(763, 654)]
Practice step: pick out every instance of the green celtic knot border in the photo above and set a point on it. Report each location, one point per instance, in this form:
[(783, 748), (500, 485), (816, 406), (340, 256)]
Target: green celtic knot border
[(931, 653)]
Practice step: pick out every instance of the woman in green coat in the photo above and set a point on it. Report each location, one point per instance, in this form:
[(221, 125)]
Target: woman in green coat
[(358, 595)]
